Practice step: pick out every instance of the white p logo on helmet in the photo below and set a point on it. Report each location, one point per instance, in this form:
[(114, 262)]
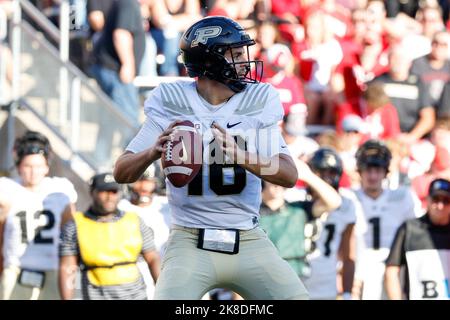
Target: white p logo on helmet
[(203, 34)]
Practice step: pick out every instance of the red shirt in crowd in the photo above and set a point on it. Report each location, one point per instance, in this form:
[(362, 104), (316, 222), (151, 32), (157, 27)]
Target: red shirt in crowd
[(290, 89)]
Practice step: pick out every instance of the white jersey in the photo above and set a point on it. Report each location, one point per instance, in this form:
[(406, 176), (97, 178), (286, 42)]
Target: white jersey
[(375, 230), (324, 259), (155, 216), (32, 227), (221, 196)]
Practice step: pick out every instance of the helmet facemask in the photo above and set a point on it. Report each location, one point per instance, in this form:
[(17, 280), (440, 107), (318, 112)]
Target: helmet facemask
[(233, 73)]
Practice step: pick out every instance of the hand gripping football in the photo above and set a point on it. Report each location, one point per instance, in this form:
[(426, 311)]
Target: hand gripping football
[(183, 158)]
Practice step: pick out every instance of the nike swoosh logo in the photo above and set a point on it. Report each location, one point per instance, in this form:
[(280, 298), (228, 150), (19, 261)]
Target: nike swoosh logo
[(184, 157), (229, 126), (284, 147)]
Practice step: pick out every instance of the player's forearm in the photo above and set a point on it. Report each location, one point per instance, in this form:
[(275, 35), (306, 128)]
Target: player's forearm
[(347, 252), (280, 169), (392, 283), (329, 196), (130, 166), (123, 43), (348, 272), (66, 277), (153, 262)]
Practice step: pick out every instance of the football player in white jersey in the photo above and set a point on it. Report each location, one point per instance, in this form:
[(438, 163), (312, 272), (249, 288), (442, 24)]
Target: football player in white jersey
[(34, 207), (154, 211), (329, 238), (215, 239), (383, 211)]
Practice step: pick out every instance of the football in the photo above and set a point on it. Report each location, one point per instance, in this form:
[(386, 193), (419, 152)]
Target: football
[(183, 158)]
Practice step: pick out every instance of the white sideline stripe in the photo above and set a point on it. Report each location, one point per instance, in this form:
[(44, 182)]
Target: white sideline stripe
[(185, 128), (177, 169)]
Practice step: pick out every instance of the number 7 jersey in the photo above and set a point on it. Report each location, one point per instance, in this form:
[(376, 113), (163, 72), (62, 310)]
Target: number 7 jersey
[(222, 195), (31, 233)]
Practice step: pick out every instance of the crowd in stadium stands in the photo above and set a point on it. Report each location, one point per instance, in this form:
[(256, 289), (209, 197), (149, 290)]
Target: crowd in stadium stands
[(352, 76)]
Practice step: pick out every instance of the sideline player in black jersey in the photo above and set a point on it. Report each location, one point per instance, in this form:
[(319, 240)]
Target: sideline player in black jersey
[(423, 246)]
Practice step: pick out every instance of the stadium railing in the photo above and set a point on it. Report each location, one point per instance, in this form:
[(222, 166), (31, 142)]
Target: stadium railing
[(48, 84)]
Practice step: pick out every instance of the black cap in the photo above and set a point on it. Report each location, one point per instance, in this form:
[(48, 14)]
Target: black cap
[(103, 182), (439, 187)]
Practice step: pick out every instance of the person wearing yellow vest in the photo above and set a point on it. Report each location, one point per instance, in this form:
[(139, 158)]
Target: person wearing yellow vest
[(106, 243)]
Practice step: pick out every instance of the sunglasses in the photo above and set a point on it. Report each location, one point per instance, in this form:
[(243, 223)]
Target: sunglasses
[(439, 43), (109, 191), (441, 199)]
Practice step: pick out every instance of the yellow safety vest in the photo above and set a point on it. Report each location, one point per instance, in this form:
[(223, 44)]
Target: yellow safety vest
[(110, 249)]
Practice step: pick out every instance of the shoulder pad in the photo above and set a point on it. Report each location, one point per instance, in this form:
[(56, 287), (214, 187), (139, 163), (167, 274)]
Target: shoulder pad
[(254, 99), (397, 194), (174, 99)]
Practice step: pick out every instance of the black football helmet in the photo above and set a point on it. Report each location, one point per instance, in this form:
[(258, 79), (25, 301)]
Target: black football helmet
[(203, 47), (373, 153), (328, 165)]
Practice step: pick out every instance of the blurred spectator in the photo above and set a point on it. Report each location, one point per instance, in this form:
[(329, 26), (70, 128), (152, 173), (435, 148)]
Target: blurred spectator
[(106, 242), (332, 230), (319, 55), (294, 132), (408, 7), (382, 119), (290, 11), (154, 13), (374, 55), (153, 210), (179, 15), (422, 246), (440, 167), (118, 55), (428, 21), (97, 12), (350, 138), (417, 159), (406, 93), (242, 11), (339, 17), (350, 77), (383, 211), (290, 16), (279, 71), (431, 18), (33, 208), (443, 105), (434, 69), (267, 35)]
